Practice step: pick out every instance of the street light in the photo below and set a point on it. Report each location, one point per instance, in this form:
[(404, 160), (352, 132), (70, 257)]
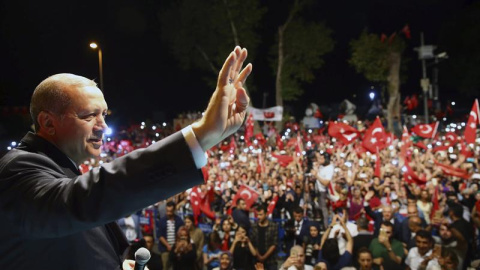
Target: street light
[(94, 46)]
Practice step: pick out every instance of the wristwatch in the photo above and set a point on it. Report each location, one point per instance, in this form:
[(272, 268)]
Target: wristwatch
[(389, 249)]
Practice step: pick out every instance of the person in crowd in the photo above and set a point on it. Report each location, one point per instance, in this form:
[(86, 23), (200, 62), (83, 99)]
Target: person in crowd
[(155, 262), (240, 214), (227, 232), (329, 251), (296, 260), (352, 229), (130, 226), (226, 261), (362, 239), (414, 225), (243, 251), (379, 217), (441, 258), (168, 229), (296, 229), (311, 244), (265, 239), (424, 203), (449, 237), (365, 260), (386, 250), (212, 251), (406, 233), (50, 207), (355, 204), (422, 250), (197, 237), (324, 174), (183, 252)]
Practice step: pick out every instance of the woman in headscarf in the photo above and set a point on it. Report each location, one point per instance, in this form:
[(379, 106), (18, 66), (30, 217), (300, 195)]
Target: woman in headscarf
[(226, 261)]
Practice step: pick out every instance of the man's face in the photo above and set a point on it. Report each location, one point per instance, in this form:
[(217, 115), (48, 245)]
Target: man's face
[(261, 216), (387, 213), (423, 245), (412, 211), (241, 205), (321, 160), (388, 230), (169, 211), (297, 216), (79, 132), (365, 260), (148, 242), (445, 233)]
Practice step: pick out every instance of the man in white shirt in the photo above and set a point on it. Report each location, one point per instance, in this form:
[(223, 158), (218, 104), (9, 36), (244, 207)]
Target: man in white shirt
[(424, 247), (324, 175)]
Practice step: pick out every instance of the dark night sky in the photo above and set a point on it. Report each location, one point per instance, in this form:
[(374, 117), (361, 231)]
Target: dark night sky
[(41, 38)]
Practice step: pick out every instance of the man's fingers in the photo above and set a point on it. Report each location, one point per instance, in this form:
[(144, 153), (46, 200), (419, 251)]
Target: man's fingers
[(242, 77), (242, 100), (223, 76), (240, 59)]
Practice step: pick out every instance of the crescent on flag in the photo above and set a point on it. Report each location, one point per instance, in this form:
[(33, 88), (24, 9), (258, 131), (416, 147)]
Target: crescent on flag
[(246, 192), (474, 114), (428, 129), (350, 137), (375, 130)]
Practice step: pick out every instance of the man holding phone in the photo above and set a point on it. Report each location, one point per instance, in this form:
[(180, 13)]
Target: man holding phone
[(386, 250), (296, 261), (423, 249)]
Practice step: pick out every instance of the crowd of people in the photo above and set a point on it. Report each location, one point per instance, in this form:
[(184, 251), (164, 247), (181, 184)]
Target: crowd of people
[(270, 203)]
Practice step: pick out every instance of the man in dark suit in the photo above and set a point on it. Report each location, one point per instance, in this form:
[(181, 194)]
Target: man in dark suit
[(362, 239), (296, 229), (380, 216), (56, 218)]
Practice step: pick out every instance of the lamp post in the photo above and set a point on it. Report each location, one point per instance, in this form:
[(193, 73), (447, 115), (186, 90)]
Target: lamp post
[(425, 52), (94, 46)]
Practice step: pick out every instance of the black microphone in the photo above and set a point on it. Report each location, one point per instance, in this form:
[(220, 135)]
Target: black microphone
[(142, 255)]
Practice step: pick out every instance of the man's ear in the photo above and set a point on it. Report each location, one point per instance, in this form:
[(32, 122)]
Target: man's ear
[(46, 120)]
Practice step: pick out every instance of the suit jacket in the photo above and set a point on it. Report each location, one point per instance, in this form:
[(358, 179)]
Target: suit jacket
[(162, 230), (378, 219), (56, 218)]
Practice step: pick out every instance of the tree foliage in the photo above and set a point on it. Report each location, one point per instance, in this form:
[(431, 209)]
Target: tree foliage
[(305, 44), (201, 33), (370, 56)]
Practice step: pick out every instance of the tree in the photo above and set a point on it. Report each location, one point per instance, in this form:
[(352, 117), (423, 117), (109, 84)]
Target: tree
[(298, 52), (201, 33), (379, 60)]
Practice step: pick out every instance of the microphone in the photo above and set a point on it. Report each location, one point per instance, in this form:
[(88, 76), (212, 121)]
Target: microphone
[(142, 255)]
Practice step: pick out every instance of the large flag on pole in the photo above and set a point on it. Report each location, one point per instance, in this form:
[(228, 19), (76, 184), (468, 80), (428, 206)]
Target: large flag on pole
[(343, 132), (375, 137), (471, 127), (427, 131)]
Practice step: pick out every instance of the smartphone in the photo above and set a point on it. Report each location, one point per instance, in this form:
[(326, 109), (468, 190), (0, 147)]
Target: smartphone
[(471, 159), (382, 234)]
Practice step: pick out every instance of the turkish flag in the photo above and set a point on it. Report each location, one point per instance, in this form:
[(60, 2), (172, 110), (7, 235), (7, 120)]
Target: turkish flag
[(233, 144), (450, 170), (377, 172), (299, 146), (280, 145), (436, 205), (205, 203), (375, 137), (249, 129), (261, 164), (383, 37), (411, 177), (283, 160), (343, 132), (452, 137), (471, 127), (426, 130), (195, 200), (248, 194), (271, 205)]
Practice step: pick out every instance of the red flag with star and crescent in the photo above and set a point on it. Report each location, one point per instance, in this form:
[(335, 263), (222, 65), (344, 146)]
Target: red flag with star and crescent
[(248, 194), (375, 137), (427, 131), (271, 205), (343, 132), (471, 127)]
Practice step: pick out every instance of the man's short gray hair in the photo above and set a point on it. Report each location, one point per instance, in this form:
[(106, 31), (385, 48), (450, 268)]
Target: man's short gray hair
[(51, 95)]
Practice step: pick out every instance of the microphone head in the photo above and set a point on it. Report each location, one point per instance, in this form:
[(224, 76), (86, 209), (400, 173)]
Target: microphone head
[(142, 255)]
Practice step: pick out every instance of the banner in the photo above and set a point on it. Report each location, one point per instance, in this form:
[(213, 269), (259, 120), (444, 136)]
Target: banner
[(269, 114)]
